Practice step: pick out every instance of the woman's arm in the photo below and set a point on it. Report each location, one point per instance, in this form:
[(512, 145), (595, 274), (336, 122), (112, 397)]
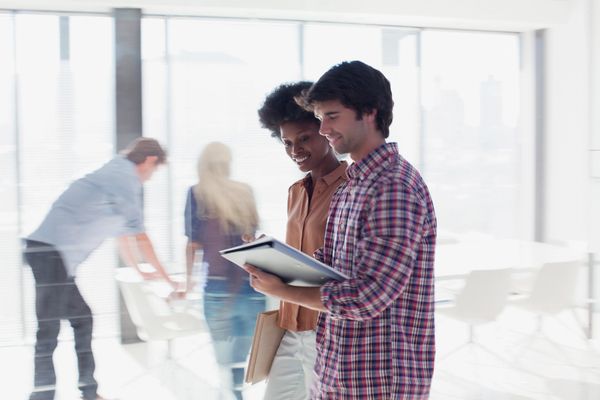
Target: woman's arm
[(190, 258)]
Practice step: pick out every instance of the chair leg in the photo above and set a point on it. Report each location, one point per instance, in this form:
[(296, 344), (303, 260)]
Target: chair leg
[(169, 349), (586, 330), (539, 323), (471, 334)]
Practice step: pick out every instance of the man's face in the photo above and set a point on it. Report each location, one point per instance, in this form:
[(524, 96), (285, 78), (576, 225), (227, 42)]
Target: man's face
[(304, 145), (147, 168), (340, 125)]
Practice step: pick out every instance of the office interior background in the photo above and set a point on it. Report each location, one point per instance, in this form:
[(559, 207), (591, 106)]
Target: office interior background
[(496, 103)]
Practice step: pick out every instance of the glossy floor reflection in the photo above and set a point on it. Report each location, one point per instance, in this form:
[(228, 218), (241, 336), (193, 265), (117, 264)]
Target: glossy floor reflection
[(508, 361)]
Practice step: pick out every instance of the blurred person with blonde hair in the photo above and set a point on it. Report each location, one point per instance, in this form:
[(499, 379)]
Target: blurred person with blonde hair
[(219, 212)]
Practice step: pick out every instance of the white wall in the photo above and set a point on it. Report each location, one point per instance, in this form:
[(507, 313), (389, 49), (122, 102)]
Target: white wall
[(569, 121)]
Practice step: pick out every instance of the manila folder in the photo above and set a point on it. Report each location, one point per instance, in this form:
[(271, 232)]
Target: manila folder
[(267, 336)]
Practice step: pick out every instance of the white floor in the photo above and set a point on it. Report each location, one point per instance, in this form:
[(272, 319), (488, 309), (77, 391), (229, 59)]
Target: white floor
[(508, 362)]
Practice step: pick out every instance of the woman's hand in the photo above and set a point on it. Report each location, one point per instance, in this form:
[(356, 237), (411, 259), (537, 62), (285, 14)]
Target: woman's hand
[(247, 237)]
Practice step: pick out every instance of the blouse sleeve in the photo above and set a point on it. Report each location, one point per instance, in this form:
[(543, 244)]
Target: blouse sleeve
[(193, 224)]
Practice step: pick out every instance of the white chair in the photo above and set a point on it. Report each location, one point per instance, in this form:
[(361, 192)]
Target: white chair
[(481, 300), (152, 316), (553, 290)]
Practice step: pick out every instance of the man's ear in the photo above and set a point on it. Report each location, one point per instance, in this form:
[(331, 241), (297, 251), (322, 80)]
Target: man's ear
[(370, 115), (151, 160)]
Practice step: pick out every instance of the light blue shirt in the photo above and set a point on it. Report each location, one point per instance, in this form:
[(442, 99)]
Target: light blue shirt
[(105, 203)]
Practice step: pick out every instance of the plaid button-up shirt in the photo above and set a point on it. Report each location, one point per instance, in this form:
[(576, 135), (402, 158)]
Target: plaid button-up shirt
[(377, 340)]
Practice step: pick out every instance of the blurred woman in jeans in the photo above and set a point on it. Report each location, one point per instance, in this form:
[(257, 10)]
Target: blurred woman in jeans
[(218, 213)]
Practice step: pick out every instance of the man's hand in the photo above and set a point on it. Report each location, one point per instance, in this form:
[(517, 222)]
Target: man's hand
[(264, 282), (270, 284), (176, 295), (177, 286), (149, 275), (155, 275)]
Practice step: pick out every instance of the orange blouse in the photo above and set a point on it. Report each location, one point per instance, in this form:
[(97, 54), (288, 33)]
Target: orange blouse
[(305, 231)]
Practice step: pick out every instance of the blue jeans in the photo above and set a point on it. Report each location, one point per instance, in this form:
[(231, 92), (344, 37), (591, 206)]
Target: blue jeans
[(230, 313)]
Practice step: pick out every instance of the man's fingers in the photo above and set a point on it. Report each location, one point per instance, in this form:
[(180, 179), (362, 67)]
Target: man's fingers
[(251, 269)]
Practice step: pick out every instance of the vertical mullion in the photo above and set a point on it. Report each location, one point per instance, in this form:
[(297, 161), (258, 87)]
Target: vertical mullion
[(421, 129), (128, 108), (169, 139), (18, 171), (301, 49), (540, 137)]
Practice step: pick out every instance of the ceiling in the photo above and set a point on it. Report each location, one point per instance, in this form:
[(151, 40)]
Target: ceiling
[(502, 15)]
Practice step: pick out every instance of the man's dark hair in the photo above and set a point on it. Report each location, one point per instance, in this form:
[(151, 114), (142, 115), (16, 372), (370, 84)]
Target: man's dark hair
[(143, 147), (357, 86), (280, 106)]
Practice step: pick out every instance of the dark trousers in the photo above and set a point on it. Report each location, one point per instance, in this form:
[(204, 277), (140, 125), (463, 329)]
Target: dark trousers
[(57, 297)]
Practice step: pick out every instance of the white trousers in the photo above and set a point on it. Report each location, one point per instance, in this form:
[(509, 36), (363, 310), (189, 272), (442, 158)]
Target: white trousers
[(292, 374)]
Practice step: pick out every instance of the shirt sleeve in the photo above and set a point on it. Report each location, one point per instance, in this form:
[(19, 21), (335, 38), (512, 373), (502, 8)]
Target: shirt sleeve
[(193, 224), (384, 256), (318, 254)]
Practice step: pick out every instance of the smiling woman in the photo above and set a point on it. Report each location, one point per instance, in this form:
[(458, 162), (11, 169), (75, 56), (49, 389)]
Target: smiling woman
[(308, 203)]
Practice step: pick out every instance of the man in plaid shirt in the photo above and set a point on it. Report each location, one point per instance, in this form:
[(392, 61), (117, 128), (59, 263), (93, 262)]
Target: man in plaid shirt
[(375, 337)]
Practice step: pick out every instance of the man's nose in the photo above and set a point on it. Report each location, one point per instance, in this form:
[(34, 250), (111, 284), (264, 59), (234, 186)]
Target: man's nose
[(324, 128)]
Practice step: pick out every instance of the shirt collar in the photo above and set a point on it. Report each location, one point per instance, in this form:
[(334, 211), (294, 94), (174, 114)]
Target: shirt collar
[(126, 165), (339, 172), (375, 161), (333, 176)]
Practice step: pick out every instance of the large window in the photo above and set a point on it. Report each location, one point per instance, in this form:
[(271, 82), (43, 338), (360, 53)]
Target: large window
[(456, 119), (10, 277), (56, 108), (472, 154), (202, 84), (393, 51)]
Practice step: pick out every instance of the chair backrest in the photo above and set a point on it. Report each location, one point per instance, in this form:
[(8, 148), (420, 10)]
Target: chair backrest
[(554, 287), (484, 295)]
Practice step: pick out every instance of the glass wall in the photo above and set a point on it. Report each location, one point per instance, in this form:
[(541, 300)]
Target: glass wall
[(56, 118), (455, 118), (200, 85), (10, 275), (393, 51), (472, 153)]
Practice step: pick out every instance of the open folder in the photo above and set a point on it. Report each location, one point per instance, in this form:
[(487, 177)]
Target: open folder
[(267, 336), (291, 265)]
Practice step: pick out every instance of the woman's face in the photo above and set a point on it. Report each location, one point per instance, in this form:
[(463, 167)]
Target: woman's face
[(303, 143)]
